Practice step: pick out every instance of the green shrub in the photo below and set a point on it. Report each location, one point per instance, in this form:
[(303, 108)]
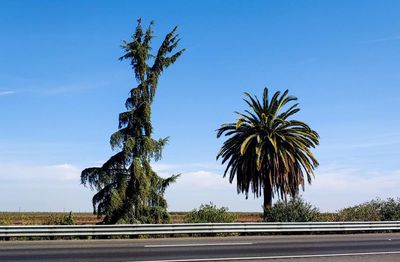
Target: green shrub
[(66, 219), (209, 213), (390, 210), (327, 217), (294, 210), (369, 211)]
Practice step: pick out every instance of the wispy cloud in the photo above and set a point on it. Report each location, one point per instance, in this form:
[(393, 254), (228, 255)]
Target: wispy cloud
[(4, 93), (371, 142), (336, 188), (367, 145), (353, 180), (13, 174), (60, 90), (384, 39), (42, 188), (199, 175), (202, 180), (333, 188), (186, 167)]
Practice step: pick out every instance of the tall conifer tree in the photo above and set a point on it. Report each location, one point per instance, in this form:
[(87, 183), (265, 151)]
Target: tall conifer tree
[(128, 190)]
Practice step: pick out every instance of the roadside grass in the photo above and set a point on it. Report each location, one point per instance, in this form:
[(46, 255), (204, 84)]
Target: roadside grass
[(44, 218), (86, 218)]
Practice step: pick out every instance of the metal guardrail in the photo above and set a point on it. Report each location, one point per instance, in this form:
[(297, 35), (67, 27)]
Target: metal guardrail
[(198, 228)]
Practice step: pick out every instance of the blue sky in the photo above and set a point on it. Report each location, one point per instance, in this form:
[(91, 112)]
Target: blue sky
[(62, 87)]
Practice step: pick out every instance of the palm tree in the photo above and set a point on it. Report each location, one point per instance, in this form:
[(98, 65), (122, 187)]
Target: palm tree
[(266, 151)]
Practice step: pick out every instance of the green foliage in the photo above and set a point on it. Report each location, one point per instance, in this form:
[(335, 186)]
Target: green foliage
[(327, 217), (5, 222), (209, 213), (66, 219), (266, 151), (375, 210), (294, 210), (390, 210), (368, 211), (128, 190)]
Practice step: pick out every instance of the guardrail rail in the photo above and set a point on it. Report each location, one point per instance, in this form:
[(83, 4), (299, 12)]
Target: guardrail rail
[(198, 228)]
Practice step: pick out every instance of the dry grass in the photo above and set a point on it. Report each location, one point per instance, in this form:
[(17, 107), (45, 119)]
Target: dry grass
[(178, 217), (43, 218)]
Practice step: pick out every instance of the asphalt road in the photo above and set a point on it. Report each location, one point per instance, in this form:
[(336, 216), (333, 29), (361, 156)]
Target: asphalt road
[(364, 247)]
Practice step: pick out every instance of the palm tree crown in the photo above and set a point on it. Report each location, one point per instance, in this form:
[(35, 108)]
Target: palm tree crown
[(266, 151)]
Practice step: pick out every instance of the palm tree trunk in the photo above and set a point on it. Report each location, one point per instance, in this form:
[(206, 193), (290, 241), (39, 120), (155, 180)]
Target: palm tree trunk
[(267, 199)]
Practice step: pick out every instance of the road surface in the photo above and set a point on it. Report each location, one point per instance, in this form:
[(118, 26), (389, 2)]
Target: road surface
[(362, 247)]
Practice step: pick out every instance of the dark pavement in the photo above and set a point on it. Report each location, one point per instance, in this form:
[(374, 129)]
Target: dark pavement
[(382, 247)]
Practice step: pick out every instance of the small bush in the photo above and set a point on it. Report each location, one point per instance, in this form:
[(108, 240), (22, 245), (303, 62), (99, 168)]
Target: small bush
[(294, 210), (375, 210), (369, 211), (327, 217), (67, 219), (390, 210), (209, 213)]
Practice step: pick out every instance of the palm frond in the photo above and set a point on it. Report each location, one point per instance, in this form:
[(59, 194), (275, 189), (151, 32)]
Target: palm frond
[(265, 150)]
